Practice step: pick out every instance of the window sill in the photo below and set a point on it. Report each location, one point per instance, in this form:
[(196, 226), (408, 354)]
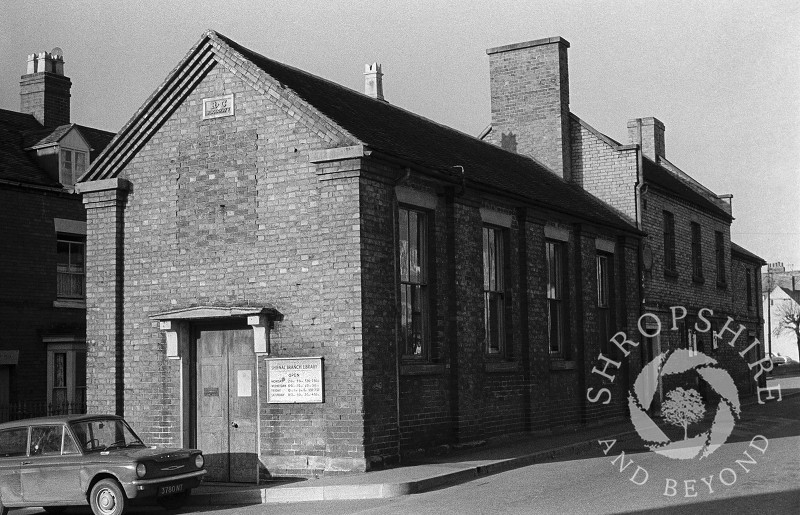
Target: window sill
[(422, 369), (69, 303), (672, 274), (501, 366), (561, 364)]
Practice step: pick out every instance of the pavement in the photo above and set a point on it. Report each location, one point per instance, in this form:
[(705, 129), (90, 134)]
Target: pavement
[(424, 474), (431, 472)]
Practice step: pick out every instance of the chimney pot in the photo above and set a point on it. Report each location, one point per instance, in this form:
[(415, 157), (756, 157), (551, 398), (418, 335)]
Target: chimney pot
[(373, 81), (44, 90)]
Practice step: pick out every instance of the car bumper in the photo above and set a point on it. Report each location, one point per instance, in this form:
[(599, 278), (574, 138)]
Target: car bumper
[(142, 488)]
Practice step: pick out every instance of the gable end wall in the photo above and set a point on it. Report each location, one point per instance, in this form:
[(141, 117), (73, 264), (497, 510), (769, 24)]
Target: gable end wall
[(228, 211)]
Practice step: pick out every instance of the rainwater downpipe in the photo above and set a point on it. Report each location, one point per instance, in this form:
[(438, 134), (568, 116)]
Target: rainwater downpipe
[(641, 189)]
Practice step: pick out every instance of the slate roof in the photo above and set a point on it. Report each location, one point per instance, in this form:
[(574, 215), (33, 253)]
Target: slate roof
[(398, 132), (747, 254), (45, 136), (793, 294), (663, 178), (19, 132), (98, 139), (362, 119), (15, 164)]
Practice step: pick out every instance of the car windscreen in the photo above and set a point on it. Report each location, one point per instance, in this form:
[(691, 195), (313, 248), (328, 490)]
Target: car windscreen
[(104, 434)]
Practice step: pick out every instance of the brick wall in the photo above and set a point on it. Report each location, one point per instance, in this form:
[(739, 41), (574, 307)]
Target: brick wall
[(463, 394), (28, 278), (607, 171), (665, 290)]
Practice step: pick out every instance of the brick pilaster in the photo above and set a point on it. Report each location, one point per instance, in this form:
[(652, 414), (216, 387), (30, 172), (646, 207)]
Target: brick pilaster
[(105, 205)]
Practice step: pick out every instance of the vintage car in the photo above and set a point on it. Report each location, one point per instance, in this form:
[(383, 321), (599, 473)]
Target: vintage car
[(67, 460), (777, 360)]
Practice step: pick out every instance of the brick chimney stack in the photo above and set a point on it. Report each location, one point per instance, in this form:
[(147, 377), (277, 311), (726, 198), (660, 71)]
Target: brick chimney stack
[(373, 81), (44, 90), (530, 101), (648, 133)]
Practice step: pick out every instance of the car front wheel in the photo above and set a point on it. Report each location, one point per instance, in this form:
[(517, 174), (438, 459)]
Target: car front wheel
[(107, 498), (3, 509)]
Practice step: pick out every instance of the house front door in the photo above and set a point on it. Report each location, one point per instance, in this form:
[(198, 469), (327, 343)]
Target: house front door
[(227, 403)]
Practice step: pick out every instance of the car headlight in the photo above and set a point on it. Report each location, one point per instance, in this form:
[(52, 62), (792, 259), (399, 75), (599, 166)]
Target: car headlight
[(199, 461), (141, 470)]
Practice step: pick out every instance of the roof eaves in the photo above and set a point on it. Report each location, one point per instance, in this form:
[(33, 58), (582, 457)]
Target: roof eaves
[(693, 183), (467, 181), (743, 252), (673, 184)]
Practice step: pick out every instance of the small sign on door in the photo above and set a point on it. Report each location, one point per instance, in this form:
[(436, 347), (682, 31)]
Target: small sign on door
[(244, 379)]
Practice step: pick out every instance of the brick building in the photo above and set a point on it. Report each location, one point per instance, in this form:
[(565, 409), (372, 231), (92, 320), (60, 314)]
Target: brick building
[(688, 258), (254, 225), (42, 226)]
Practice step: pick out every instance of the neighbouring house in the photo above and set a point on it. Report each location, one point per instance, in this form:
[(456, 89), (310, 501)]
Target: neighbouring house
[(303, 279), (43, 229), (688, 258), (780, 301), (778, 274)]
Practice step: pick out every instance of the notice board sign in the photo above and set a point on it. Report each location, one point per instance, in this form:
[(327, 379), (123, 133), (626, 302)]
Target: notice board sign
[(294, 380)]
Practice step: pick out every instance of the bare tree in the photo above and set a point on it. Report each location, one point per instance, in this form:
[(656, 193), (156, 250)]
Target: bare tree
[(683, 407), (788, 315)]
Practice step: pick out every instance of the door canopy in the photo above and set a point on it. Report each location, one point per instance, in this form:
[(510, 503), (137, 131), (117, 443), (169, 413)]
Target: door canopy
[(175, 324)]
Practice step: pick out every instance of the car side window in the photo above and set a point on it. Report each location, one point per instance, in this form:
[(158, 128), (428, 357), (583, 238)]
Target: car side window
[(45, 440), (13, 442), (70, 447)]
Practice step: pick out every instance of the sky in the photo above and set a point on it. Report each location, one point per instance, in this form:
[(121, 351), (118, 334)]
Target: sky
[(722, 76)]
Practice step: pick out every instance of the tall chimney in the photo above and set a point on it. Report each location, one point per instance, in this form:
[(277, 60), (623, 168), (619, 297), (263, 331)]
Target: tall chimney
[(648, 133), (530, 100), (373, 81), (44, 90)]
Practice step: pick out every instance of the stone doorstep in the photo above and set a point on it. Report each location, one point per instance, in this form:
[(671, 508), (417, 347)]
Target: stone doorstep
[(232, 494)]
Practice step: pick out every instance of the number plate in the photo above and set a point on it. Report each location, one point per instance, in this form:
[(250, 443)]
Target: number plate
[(170, 489)]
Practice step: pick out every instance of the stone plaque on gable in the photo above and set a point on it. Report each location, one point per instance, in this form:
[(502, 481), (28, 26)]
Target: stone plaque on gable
[(294, 380), (217, 107)]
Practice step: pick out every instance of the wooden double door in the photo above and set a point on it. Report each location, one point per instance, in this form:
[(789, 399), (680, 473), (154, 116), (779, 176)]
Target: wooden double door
[(227, 403)]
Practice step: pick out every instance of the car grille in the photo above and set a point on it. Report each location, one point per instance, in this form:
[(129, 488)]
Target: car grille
[(169, 465)]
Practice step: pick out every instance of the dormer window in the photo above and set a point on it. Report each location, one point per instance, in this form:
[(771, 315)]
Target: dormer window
[(73, 165)]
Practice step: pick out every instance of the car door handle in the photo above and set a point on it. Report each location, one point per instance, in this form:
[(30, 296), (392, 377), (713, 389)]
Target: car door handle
[(234, 425), (27, 462)]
